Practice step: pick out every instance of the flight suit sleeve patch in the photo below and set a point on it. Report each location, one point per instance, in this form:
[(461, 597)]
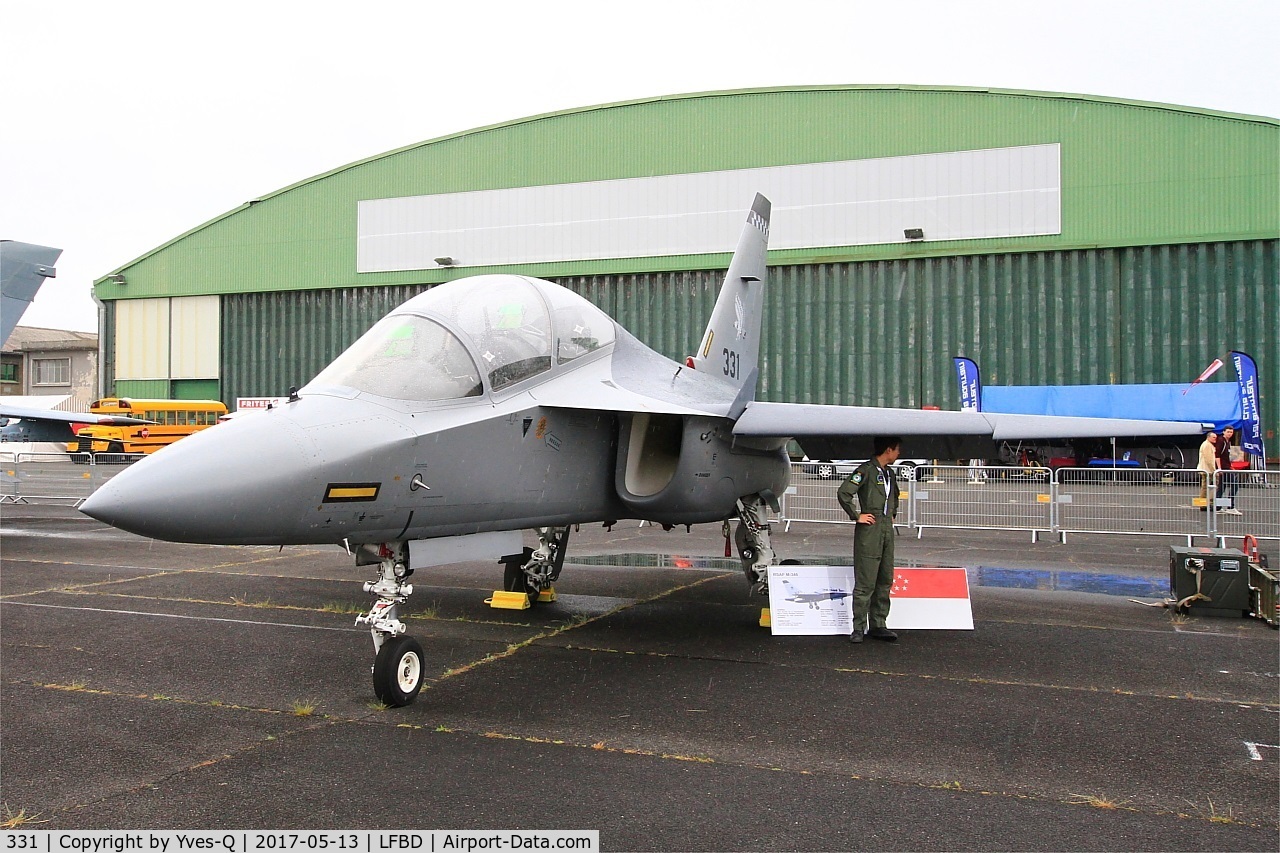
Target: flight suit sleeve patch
[(856, 479)]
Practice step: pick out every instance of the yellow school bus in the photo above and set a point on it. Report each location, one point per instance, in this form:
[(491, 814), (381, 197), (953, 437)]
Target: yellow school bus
[(172, 420)]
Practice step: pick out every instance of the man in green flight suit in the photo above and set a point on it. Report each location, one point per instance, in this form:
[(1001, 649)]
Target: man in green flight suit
[(870, 497)]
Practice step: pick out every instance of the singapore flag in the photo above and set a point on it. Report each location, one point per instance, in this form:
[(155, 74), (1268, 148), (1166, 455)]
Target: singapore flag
[(930, 598)]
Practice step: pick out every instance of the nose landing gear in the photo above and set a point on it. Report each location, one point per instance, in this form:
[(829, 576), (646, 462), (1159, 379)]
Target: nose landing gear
[(398, 667)]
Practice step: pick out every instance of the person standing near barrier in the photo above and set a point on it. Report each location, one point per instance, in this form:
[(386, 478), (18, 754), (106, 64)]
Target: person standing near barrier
[(1228, 482), (1207, 465), (870, 498)]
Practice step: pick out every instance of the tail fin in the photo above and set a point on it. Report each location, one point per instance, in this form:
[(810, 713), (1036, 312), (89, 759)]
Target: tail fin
[(730, 346)]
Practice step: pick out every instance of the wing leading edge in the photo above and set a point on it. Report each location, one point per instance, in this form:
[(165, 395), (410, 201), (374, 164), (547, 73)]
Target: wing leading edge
[(55, 416), (804, 420)]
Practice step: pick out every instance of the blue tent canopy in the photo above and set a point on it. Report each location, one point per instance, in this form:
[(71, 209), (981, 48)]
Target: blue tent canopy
[(1217, 403)]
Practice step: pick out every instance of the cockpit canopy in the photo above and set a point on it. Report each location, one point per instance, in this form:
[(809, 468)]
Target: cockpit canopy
[(446, 343)]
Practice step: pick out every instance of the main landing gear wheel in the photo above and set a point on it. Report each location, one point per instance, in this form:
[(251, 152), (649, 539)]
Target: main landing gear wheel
[(397, 671), (514, 578)]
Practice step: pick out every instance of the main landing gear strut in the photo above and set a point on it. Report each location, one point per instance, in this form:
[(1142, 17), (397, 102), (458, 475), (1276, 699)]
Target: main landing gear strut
[(536, 569), (752, 539), (397, 669)]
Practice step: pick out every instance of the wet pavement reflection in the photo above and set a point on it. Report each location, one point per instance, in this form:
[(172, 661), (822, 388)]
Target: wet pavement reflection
[(981, 576)]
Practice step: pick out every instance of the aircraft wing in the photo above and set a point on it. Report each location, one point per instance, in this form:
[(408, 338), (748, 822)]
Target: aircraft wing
[(608, 396), (31, 414), (803, 420), (634, 380)]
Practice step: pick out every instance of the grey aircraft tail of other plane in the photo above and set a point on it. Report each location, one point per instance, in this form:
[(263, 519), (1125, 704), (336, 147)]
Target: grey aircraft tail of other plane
[(496, 404), (23, 269)]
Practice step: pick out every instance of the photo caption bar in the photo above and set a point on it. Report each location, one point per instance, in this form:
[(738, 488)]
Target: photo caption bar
[(267, 841)]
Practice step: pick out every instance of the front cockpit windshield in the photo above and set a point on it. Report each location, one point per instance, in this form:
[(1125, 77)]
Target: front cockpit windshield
[(406, 357), (517, 325), (508, 323), (500, 328)]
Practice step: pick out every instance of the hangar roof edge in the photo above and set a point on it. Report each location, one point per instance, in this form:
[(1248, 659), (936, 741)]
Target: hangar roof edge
[(850, 87)]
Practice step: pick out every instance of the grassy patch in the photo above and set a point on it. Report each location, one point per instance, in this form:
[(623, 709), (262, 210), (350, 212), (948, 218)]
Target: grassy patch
[(340, 607), (1097, 801), (13, 820)]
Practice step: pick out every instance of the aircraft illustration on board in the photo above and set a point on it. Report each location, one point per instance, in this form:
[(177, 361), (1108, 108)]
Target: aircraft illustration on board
[(495, 404), (816, 598)]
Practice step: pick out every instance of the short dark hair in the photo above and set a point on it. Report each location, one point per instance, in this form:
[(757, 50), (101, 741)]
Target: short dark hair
[(881, 443)]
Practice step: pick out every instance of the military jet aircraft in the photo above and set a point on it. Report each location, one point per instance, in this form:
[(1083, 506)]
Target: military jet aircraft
[(815, 598), (499, 403)]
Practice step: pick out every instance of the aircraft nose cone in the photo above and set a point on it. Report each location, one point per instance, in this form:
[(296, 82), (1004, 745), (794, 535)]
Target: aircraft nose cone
[(223, 485)]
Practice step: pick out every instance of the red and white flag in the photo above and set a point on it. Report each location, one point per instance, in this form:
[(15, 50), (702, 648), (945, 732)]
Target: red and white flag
[(930, 598), (1208, 371)]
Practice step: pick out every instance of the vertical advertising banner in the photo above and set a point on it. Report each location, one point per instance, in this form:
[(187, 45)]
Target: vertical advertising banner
[(1247, 376), (970, 384)]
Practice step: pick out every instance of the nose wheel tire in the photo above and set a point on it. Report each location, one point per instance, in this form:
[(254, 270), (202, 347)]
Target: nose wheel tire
[(397, 671)]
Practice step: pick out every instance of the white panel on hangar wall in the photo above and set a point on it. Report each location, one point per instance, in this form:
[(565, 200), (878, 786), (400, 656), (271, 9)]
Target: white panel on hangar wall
[(142, 339), (193, 329), (957, 195)]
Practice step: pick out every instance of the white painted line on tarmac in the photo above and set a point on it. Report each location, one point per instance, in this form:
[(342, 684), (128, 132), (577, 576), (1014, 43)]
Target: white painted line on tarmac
[(1255, 749), (179, 616)]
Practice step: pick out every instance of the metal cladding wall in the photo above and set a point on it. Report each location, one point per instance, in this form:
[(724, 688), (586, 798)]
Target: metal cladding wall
[(1166, 257), (876, 333), (274, 341)]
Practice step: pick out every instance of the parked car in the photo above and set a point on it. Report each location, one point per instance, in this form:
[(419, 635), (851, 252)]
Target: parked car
[(905, 469)]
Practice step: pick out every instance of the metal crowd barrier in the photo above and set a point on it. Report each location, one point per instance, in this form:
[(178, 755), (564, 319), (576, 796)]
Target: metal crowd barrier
[(57, 477), (1135, 501)]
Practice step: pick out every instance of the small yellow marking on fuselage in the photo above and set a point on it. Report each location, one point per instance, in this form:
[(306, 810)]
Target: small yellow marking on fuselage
[(351, 492)]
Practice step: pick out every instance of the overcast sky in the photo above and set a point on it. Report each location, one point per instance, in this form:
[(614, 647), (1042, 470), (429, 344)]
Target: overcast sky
[(126, 123)]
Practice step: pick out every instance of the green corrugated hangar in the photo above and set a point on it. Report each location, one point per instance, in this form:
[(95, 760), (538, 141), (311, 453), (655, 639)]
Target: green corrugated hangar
[(1056, 239)]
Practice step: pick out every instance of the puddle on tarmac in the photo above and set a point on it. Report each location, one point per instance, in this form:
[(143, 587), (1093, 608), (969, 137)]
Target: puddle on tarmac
[(1042, 579)]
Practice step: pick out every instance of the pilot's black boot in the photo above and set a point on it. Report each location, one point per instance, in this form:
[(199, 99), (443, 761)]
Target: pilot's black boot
[(856, 635)]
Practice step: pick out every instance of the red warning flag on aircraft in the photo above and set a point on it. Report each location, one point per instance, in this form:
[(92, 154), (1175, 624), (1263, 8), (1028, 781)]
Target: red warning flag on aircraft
[(1208, 371), (930, 598)]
